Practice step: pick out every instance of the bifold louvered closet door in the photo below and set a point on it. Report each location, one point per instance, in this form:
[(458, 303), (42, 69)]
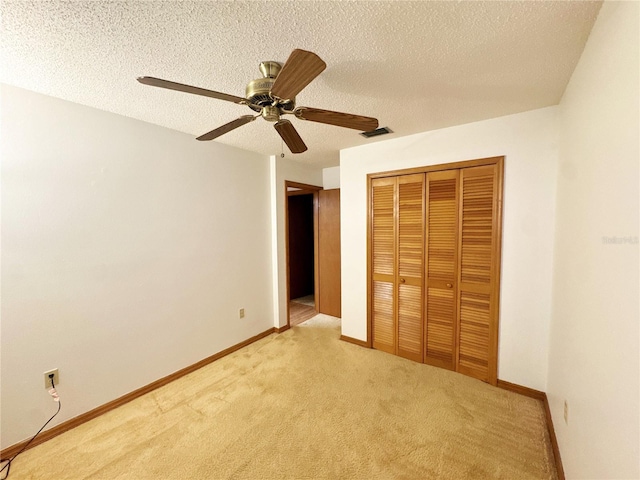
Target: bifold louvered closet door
[(397, 264), (442, 245), (434, 259)]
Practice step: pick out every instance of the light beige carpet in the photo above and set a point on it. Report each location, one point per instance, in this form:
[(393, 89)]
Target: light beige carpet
[(305, 405)]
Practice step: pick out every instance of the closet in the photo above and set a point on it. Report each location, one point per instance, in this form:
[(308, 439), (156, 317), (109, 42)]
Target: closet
[(434, 264)]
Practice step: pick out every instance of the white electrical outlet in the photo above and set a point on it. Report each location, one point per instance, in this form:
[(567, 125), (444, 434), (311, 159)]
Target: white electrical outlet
[(566, 412), (47, 378), (241, 313)]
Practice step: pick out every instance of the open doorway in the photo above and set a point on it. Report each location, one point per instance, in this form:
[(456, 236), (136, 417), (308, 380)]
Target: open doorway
[(302, 251)]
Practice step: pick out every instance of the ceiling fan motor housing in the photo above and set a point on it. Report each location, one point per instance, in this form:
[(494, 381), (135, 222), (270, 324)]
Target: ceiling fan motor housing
[(258, 92)]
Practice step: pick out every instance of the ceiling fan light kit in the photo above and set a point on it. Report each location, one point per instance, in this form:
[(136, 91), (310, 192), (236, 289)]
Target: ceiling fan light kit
[(273, 96)]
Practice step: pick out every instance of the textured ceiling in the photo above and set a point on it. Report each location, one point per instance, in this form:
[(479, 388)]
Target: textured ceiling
[(416, 66)]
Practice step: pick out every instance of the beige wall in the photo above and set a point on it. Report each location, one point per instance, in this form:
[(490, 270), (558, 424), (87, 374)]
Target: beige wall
[(127, 250), (331, 178), (593, 361), (529, 143)]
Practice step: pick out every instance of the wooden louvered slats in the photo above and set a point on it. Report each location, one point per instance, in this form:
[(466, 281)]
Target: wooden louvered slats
[(410, 265), (410, 321), (383, 246), (477, 350), (383, 227), (474, 334), (440, 326), (383, 317), (442, 244), (442, 228), (477, 228), (410, 226)]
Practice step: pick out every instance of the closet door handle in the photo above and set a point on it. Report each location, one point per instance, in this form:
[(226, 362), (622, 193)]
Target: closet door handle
[(449, 285), (402, 280)]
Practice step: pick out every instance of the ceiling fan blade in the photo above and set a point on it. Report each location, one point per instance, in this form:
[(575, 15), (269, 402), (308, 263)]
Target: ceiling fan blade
[(300, 68), (226, 128), (290, 136), (158, 82), (347, 120)]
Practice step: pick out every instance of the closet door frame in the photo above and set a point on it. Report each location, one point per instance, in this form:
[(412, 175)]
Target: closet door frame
[(497, 258)]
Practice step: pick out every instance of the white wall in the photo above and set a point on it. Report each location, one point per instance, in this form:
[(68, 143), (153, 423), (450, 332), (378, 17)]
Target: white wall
[(593, 361), (127, 250), (528, 141), (331, 178), (285, 169)]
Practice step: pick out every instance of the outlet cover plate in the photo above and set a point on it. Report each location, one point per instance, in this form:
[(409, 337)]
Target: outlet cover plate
[(56, 378)]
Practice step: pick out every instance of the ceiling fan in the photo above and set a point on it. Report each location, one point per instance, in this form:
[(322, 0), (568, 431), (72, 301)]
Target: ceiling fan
[(273, 96)]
